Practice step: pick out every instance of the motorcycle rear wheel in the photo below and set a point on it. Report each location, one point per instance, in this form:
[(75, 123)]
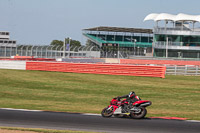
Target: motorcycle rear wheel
[(140, 115), (107, 113)]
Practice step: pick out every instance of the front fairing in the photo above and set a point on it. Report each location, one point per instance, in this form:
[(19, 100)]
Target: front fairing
[(113, 106)]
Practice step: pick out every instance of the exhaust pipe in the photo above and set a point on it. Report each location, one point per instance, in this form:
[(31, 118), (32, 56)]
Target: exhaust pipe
[(145, 104)]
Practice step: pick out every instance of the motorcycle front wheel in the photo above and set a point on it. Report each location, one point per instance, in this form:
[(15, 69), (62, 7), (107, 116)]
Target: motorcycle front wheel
[(107, 112), (139, 115)]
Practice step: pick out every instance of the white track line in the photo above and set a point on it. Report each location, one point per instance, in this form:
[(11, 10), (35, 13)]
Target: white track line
[(192, 121), (12, 109), (22, 110), (91, 114)]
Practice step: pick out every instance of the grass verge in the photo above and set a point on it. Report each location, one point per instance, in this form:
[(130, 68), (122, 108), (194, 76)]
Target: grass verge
[(174, 96), (36, 130)]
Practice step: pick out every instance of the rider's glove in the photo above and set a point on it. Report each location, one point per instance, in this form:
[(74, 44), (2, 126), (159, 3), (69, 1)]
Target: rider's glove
[(118, 98)]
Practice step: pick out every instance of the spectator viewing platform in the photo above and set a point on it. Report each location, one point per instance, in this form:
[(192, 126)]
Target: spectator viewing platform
[(178, 37), (124, 37), (117, 42)]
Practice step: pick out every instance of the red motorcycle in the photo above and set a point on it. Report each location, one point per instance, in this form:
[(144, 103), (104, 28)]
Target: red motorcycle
[(122, 108)]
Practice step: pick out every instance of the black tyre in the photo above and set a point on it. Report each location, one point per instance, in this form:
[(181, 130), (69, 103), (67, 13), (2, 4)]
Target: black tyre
[(107, 113), (139, 115)]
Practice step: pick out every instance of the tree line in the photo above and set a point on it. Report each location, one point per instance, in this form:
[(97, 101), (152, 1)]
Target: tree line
[(73, 43)]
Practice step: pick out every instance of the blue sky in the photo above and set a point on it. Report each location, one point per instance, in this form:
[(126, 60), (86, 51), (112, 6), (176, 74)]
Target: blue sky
[(38, 22)]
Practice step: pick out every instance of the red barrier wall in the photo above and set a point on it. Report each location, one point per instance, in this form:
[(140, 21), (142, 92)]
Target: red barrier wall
[(159, 62), (130, 70), (29, 59), (23, 57)]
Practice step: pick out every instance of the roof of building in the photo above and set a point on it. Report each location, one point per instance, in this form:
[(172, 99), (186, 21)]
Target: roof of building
[(171, 17), (119, 29)]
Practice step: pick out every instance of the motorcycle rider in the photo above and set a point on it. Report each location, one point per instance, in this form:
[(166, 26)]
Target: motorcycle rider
[(131, 98)]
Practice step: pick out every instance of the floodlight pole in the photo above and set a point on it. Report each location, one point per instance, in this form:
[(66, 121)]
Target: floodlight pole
[(69, 48), (64, 48), (118, 54), (134, 45), (167, 47)]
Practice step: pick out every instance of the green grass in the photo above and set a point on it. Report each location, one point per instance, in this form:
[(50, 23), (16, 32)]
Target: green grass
[(177, 96), (42, 130)]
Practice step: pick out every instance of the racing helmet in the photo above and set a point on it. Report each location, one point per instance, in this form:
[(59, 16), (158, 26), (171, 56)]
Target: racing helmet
[(131, 94)]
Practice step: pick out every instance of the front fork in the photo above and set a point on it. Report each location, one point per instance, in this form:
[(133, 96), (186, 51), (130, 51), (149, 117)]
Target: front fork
[(109, 107)]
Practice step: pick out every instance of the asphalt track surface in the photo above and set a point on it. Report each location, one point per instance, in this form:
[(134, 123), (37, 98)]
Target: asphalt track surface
[(73, 121)]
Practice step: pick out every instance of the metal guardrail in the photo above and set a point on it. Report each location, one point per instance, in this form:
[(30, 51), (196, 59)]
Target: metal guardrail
[(183, 70), (176, 31), (47, 51)]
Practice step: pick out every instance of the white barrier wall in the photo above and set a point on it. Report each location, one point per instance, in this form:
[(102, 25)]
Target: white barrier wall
[(112, 60), (5, 64)]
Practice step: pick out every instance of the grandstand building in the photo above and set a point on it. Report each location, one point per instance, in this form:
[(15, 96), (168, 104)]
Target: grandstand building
[(178, 37), (6, 45), (115, 42)]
